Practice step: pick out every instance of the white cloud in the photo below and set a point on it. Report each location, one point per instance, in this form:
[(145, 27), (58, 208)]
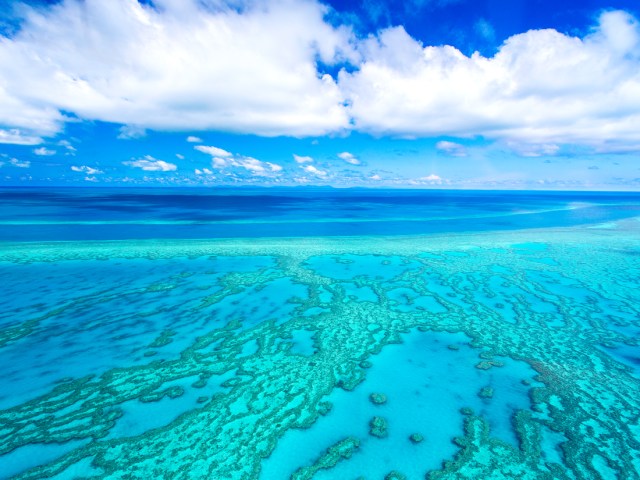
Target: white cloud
[(302, 159), (20, 163), (86, 169), (541, 87), (536, 150), (451, 148), (213, 151), (192, 139), (431, 178), (150, 164), (44, 152), (218, 162), (251, 164), (314, 170), (126, 62), (255, 166), (375, 177), (349, 158), (67, 144), (17, 137), (131, 132), (179, 156), (223, 159)]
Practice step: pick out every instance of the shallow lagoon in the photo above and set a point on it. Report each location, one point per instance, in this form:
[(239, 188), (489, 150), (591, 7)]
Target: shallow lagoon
[(511, 354)]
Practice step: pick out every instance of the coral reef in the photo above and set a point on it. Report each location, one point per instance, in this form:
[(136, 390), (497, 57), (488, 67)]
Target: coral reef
[(378, 427), (378, 398), (229, 376)]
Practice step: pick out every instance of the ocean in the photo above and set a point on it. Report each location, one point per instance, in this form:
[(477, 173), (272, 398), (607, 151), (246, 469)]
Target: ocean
[(319, 333)]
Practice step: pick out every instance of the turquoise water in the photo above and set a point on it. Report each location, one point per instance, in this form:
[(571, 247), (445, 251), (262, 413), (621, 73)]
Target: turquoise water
[(498, 353), (426, 384)]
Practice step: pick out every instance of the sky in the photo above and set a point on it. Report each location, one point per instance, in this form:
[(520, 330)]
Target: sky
[(471, 94)]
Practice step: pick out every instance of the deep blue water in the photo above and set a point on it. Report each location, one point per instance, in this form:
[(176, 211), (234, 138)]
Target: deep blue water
[(36, 214)]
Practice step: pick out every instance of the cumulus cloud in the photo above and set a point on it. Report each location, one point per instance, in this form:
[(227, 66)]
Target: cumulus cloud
[(193, 66), (302, 159), (255, 166), (150, 164), (44, 152), (18, 137), (219, 162), (221, 159), (451, 148), (175, 65), (213, 151), (86, 169), (535, 150), (541, 87), (67, 144), (349, 158), (131, 132), (19, 163), (431, 178), (314, 170), (192, 139), (251, 164)]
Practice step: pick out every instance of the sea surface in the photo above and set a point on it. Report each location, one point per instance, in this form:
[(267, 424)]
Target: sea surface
[(318, 333)]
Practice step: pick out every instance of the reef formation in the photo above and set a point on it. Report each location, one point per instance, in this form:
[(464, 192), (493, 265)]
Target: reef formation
[(194, 359)]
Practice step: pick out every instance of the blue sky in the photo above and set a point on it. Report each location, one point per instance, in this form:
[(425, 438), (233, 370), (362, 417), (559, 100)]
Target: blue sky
[(514, 94)]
